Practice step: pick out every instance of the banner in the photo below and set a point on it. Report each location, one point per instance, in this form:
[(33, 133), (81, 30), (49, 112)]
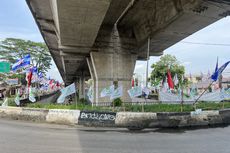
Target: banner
[(135, 92), (117, 93), (215, 96), (4, 67), (12, 81), (107, 91), (66, 92)]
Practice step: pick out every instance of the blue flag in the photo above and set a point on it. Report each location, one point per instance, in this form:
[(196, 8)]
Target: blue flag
[(40, 75), (35, 70), (216, 65), (217, 73), (21, 63)]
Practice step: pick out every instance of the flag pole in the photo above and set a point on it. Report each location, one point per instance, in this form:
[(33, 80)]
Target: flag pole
[(203, 92)]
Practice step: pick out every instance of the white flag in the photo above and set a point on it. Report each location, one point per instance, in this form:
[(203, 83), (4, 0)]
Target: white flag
[(146, 90), (117, 93), (107, 91), (66, 92), (175, 79), (17, 99), (5, 103), (90, 94), (31, 96), (134, 92)]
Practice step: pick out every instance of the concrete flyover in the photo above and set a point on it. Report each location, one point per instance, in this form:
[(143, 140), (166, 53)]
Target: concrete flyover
[(102, 39)]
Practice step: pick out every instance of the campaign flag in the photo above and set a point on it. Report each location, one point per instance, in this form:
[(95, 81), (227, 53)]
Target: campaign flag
[(135, 92), (169, 79), (219, 71), (17, 99), (5, 103), (25, 61), (107, 91), (133, 82), (35, 70), (117, 93), (216, 65), (40, 75), (90, 94), (66, 92), (29, 77), (175, 79), (146, 91), (32, 97)]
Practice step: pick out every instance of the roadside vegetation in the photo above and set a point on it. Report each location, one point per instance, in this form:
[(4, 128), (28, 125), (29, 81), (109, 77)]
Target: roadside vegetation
[(138, 108), (118, 106)]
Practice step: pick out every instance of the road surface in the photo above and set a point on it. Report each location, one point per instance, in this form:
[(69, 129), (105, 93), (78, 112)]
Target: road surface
[(24, 137)]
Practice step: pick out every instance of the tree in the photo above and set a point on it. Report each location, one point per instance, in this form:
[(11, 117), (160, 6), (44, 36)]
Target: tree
[(160, 68), (13, 49)]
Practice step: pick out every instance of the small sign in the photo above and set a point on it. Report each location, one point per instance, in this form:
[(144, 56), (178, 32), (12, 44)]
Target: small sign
[(12, 81), (4, 67)]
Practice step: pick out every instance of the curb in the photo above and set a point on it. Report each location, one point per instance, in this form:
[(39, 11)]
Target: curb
[(130, 120)]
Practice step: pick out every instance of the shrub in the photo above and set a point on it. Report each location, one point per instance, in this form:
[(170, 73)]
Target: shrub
[(117, 102)]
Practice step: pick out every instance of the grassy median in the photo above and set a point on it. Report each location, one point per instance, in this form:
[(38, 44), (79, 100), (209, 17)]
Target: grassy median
[(138, 108)]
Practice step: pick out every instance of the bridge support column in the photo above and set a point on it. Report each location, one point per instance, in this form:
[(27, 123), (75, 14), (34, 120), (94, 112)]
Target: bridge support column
[(82, 86), (109, 68)]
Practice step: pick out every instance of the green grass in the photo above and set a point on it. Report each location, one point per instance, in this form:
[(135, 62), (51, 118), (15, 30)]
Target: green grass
[(71, 107), (138, 108)]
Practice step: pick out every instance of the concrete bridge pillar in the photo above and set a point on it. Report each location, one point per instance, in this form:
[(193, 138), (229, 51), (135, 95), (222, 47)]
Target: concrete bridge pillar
[(82, 86), (111, 68)]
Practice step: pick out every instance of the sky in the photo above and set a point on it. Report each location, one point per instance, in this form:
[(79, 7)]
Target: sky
[(194, 52)]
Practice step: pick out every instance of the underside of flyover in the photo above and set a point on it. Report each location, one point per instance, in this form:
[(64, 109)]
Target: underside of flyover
[(102, 39)]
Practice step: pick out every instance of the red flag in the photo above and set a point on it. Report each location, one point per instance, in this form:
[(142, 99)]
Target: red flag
[(29, 78), (170, 81), (133, 82)]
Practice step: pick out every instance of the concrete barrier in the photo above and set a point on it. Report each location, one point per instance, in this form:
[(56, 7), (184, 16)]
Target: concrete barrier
[(33, 114), (131, 120), (134, 120), (225, 115), (10, 112), (95, 118), (63, 116)]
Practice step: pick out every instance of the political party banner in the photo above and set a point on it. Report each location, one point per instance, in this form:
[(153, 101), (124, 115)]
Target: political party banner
[(107, 91), (4, 67), (66, 92), (12, 81), (135, 92), (117, 93), (215, 96)]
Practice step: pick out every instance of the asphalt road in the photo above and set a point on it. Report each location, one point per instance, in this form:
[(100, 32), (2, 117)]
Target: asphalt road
[(24, 137)]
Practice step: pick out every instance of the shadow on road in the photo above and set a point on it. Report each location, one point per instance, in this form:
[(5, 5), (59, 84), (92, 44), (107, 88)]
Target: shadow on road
[(176, 130)]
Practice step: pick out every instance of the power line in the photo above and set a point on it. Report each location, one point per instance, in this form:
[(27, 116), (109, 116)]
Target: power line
[(204, 43)]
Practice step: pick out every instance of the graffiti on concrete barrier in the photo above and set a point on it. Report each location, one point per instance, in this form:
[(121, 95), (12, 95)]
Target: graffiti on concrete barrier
[(97, 117)]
